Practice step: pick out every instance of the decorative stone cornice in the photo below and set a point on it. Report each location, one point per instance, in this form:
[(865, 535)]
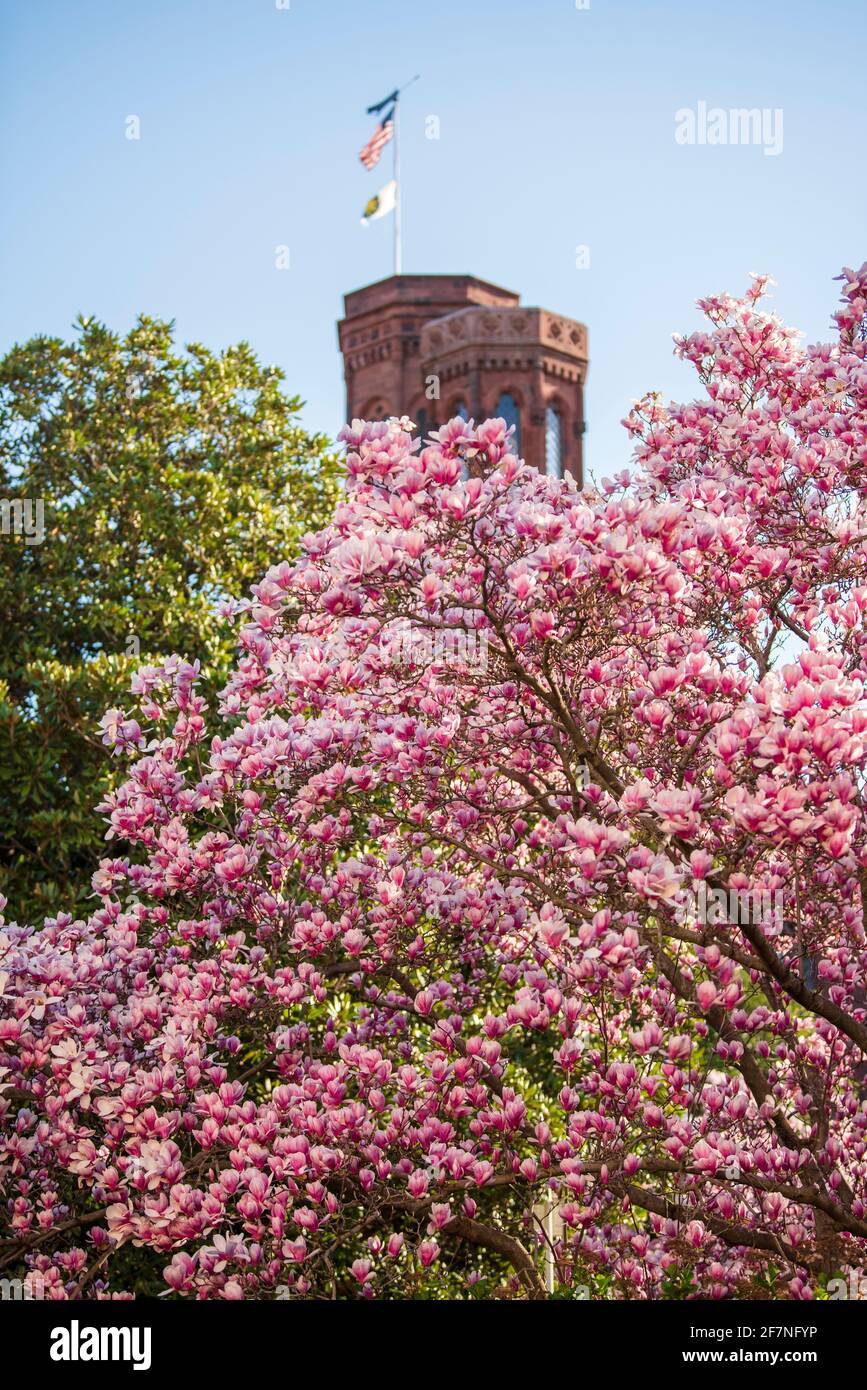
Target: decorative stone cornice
[(489, 332)]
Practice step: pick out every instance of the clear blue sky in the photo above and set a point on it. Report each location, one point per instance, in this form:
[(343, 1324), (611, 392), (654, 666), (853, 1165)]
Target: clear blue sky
[(557, 129)]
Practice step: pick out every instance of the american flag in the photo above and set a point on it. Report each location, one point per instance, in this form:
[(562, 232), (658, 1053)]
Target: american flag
[(369, 156)]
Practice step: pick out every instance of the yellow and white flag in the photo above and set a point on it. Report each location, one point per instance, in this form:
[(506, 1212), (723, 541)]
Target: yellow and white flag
[(381, 203)]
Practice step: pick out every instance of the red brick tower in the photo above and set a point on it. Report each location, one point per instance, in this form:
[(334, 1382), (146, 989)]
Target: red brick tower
[(435, 346)]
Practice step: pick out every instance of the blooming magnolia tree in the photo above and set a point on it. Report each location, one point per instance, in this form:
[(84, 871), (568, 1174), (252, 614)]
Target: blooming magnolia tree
[(409, 983)]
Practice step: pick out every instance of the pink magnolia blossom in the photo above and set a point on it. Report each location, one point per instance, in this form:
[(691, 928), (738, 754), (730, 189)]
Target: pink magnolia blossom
[(392, 947)]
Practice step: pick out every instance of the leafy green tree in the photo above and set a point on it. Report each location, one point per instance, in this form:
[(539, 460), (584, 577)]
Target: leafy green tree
[(159, 479)]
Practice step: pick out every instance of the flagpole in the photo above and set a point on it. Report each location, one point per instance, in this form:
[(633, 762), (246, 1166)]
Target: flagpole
[(397, 244)]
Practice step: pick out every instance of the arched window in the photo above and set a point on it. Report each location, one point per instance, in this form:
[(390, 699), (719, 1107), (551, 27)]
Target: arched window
[(553, 442), (508, 410)]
